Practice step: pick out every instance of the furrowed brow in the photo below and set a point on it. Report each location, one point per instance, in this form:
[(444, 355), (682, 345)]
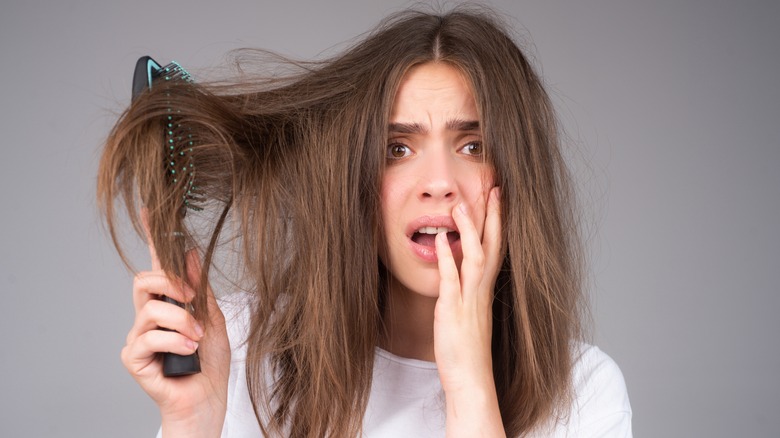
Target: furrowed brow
[(407, 128), (463, 125), (417, 128)]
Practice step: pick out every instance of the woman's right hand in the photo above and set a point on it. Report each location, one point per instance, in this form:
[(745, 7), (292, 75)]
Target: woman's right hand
[(190, 405)]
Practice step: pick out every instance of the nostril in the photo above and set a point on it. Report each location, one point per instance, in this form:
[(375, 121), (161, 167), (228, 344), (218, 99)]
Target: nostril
[(446, 195)]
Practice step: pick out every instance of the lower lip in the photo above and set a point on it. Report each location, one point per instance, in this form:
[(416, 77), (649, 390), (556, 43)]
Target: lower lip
[(428, 253)]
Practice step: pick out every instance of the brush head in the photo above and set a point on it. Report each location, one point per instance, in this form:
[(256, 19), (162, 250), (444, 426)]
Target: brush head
[(179, 143), (147, 71), (178, 140)]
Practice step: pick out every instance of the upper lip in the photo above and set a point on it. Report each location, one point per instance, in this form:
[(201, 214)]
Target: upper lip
[(430, 221)]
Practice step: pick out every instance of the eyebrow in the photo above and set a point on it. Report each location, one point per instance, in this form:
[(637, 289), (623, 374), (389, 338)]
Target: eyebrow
[(418, 128)]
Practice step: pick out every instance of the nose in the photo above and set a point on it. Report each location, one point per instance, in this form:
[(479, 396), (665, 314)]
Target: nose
[(438, 180)]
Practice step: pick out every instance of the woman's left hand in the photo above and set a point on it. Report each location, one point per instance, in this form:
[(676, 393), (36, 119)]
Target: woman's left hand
[(463, 323)]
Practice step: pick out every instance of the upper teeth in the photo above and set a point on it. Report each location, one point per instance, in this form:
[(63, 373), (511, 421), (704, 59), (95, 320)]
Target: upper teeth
[(434, 230)]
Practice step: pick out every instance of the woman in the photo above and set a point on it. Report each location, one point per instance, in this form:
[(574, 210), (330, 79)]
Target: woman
[(406, 228)]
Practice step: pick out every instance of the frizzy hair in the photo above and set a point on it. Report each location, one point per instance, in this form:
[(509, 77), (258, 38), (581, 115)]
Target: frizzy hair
[(297, 164)]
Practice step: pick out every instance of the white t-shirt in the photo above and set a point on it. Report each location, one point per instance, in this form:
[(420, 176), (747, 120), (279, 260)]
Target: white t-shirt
[(407, 400)]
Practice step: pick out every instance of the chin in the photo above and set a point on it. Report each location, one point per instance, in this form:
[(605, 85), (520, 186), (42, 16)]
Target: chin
[(425, 284)]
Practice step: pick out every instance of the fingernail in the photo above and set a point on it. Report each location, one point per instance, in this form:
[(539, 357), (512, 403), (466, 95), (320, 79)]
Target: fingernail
[(440, 239), (199, 330), (192, 345), (462, 207)]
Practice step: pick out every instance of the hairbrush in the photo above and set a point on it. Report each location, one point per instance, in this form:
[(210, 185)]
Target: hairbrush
[(180, 172)]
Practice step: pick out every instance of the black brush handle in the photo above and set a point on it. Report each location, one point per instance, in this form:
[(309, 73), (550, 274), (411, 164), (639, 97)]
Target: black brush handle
[(175, 365)]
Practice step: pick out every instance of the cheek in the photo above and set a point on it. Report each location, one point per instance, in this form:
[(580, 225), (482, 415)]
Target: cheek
[(387, 201), (392, 198), (476, 196), (395, 191)]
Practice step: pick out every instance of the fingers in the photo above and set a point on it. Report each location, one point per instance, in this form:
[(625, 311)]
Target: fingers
[(153, 314), (481, 253), (472, 267), (159, 314), (149, 285), (449, 280), (491, 234), (159, 327), (142, 353)]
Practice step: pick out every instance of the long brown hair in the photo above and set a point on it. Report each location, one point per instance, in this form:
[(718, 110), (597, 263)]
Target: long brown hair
[(298, 162)]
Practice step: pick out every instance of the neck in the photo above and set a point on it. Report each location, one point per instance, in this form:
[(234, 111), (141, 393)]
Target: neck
[(408, 320)]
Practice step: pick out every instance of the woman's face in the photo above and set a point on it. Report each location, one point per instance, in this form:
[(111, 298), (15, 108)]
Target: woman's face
[(434, 161)]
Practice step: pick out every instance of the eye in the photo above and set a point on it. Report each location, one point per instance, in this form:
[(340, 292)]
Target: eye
[(396, 151), (473, 148)]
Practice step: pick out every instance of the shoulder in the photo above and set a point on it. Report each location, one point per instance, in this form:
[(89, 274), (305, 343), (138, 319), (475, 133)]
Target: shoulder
[(599, 402), (596, 378), (600, 405)]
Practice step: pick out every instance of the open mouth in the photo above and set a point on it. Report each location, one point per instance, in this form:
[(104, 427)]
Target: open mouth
[(426, 236)]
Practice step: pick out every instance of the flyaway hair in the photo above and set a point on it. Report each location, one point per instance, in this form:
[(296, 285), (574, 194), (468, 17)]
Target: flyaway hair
[(296, 164)]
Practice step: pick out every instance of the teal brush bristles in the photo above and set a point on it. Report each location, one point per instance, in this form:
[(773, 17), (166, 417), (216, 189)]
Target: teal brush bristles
[(180, 142)]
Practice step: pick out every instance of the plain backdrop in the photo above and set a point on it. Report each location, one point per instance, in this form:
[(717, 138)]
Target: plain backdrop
[(672, 118)]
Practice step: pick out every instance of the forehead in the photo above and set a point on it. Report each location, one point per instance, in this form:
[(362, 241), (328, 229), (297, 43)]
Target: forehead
[(431, 93)]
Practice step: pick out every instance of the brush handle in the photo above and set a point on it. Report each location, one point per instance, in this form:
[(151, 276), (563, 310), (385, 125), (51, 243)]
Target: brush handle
[(175, 365)]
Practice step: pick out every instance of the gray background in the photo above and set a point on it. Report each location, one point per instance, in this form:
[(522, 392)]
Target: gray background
[(672, 111)]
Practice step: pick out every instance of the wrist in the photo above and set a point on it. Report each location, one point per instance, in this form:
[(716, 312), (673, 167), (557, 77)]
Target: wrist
[(474, 412), (205, 422), (191, 428)]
